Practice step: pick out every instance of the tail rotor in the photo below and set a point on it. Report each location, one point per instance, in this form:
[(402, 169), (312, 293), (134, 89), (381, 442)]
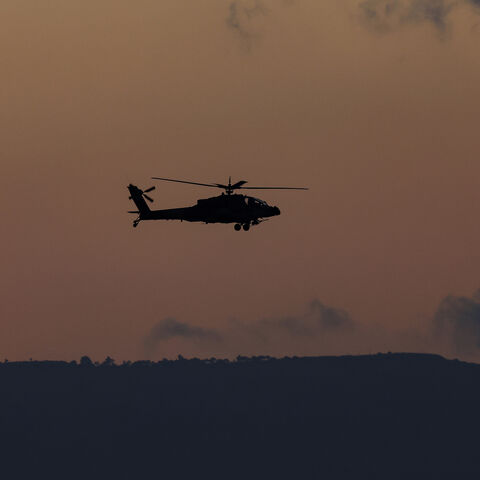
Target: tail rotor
[(144, 194), (139, 196)]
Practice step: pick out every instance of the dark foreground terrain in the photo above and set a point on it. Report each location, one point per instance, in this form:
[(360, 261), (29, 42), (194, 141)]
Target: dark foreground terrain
[(378, 416)]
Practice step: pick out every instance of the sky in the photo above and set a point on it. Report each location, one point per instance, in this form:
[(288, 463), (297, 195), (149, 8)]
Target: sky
[(371, 104)]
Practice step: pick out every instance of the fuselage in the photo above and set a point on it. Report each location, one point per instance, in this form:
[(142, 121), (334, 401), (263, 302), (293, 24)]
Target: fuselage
[(220, 209), (233, 208)]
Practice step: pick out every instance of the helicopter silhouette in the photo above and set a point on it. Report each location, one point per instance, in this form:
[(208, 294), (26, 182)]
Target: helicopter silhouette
[(229, 207)]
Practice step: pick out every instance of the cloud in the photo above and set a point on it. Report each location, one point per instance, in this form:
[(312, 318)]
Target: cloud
[(388, 15), (241, 15), (318, 319), (458, 320), (377, 15), (318, 323), (321, 329), (170, 328)]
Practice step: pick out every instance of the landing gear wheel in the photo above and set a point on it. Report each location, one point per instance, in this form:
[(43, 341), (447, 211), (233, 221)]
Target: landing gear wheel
[(246, 227), (237, 227)]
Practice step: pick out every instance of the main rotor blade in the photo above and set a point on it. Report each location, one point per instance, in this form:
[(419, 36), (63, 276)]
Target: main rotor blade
[(273, 188), (184, 181), (235, 186), (149, 189), (148, 198)]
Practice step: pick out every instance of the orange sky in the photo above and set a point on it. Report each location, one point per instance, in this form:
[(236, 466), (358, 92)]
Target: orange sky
[(381, 125)]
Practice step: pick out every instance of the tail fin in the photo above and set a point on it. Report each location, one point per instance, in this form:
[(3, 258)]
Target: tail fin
[(137, 196)]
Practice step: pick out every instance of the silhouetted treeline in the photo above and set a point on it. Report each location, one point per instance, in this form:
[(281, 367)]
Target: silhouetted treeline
[(378, 416)]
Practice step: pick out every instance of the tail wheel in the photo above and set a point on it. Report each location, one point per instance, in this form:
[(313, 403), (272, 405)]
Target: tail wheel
[(237, 227)]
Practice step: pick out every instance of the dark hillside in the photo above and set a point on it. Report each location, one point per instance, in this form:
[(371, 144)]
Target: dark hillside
[(378, 416)]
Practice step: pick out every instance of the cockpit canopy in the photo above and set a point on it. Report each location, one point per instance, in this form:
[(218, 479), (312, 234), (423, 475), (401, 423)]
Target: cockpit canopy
[(257, 201)]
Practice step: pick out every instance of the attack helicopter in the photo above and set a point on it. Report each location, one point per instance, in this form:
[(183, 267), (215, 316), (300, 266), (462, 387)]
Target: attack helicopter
[(229, 207)]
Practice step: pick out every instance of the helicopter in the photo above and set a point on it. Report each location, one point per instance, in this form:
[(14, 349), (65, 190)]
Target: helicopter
[(229, 207)]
